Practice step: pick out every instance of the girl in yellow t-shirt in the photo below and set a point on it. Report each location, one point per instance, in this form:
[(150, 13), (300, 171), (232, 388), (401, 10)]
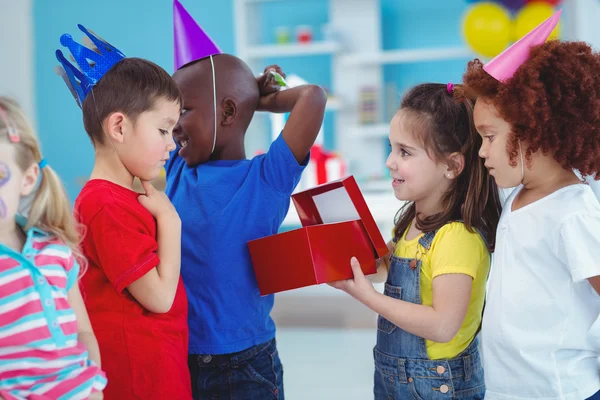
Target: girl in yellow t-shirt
[(439, 260)]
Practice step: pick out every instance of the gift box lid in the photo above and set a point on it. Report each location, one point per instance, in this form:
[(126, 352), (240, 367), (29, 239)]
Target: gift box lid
[(338, 201)]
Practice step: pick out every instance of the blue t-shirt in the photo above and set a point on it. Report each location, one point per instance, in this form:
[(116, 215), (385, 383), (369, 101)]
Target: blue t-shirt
[(223, 205)]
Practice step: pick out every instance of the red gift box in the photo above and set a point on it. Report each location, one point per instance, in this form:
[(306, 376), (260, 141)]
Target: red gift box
[(337, 225)]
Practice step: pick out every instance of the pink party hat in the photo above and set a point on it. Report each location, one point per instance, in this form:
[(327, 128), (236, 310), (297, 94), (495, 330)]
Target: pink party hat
[(191, 42), (504, 65)]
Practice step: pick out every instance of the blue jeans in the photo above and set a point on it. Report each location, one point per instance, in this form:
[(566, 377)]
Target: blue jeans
[(252, 374)]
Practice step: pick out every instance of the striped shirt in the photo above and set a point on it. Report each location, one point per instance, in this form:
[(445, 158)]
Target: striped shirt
[(40, 356)]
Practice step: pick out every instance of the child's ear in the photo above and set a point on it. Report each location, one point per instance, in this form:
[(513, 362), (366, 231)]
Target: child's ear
[(230, 110), (114, 126), (456, 165), (30, 178)]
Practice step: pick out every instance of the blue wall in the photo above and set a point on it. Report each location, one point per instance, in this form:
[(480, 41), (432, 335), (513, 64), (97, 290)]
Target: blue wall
[(138, 28), (144, 29)]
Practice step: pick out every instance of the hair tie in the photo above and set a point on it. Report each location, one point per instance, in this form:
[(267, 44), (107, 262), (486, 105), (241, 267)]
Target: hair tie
[(13, 133), (43, 163), (450, 88)]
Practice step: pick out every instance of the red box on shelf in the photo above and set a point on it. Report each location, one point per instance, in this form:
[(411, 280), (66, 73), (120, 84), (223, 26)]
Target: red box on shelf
[(336, 226)]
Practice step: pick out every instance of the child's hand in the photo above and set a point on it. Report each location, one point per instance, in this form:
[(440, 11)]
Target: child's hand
[(267, 83), (358, 287), (156, 202), (96, 396)]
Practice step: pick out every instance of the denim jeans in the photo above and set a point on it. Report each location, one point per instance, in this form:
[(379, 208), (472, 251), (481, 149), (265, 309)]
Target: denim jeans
[(252, 374)]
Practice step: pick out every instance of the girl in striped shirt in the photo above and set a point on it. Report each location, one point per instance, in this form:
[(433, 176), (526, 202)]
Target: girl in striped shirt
[(47, 347)]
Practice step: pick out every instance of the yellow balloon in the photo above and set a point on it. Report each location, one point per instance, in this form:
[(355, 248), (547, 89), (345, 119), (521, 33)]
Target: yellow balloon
[(487, 28), (530, 16)]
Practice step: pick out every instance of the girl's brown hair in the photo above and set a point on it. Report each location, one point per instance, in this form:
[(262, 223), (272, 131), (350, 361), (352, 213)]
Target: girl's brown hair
[(50, 210), (445, 117)]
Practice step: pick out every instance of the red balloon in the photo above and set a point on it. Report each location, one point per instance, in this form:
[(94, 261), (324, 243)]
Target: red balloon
[(551, 2)]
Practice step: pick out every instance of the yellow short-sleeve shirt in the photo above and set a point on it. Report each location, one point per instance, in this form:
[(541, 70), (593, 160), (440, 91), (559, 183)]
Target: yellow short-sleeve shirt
[(454, 250)]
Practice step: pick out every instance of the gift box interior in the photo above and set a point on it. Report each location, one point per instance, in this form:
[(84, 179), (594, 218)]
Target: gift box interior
[(336, 225)]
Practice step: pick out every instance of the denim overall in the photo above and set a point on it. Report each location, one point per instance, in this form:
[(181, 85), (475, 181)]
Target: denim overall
[(403, 371)]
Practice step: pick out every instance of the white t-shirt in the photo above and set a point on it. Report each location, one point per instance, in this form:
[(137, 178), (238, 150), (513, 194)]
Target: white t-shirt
[(595, 185), (541, 326)]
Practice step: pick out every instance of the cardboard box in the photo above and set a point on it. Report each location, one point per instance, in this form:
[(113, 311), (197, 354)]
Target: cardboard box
[(337, 225)]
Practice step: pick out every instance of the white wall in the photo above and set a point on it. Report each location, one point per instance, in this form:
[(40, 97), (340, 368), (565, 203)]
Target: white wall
[(590, 29), (16, 53), (581, 21)]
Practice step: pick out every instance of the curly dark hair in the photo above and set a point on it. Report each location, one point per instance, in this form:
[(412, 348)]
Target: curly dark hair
[(552, 102)]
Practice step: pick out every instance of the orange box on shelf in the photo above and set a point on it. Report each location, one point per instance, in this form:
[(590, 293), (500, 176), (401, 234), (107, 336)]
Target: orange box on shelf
[(336, 226)]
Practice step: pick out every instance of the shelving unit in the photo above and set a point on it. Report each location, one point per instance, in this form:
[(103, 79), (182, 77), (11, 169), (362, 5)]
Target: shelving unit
[(292, 50), (406, 56), (356, 63)]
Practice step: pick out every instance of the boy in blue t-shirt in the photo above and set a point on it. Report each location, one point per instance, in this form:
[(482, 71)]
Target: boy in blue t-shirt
[(226, 200)]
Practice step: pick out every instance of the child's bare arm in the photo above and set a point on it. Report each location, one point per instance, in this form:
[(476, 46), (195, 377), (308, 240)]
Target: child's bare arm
[(306, 105), (157, 288), (85, 332), (439, 322)]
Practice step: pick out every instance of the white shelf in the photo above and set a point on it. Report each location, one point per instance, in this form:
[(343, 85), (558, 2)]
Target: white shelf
[(407, 56), (373, 131), (293, 49)]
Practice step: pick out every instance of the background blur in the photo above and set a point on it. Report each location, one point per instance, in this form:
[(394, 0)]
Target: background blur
[(366, 53)]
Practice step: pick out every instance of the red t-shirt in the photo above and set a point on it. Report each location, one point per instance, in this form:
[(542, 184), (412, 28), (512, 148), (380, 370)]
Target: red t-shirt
[(144, 354)]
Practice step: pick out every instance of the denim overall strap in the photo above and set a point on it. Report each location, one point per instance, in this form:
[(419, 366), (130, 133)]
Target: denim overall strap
[(426, 240), (403, 283)]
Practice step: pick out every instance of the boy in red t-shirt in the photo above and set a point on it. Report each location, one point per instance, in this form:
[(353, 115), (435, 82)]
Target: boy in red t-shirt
[(132, 289)]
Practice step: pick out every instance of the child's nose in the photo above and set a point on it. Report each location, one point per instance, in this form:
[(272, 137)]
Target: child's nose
[(389, 162), (171, 144), (483, 151)]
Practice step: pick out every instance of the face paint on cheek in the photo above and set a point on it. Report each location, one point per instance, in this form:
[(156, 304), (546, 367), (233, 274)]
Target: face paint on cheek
[(4, 178)]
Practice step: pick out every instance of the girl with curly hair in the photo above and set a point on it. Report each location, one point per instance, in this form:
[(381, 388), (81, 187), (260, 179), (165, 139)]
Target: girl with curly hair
[(539, 123)]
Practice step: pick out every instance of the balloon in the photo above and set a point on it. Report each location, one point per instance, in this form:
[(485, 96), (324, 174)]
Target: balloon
[(531, 16), (487, 28), (551, 2), (513, 5)]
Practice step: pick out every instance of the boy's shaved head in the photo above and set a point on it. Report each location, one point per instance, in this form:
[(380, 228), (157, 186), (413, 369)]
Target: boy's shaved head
[(237, 96)]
